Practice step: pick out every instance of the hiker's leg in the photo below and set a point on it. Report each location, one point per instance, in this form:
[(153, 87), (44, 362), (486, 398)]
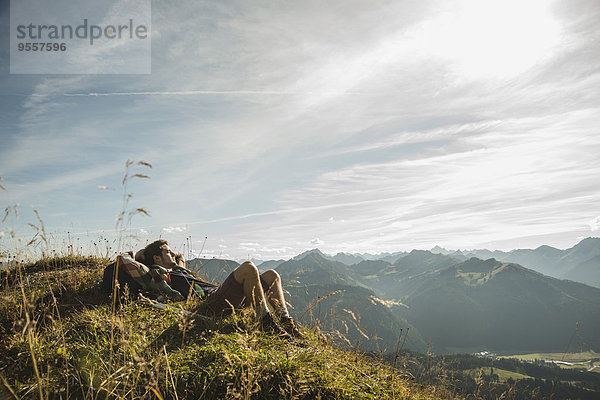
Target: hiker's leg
[(247, 276), (274, 293)]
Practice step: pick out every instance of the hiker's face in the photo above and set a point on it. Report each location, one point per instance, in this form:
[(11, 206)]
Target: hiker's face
[(167, 257)]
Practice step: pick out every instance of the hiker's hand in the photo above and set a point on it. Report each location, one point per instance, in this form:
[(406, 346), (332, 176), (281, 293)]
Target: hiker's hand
[(179, 260), (139, 256)]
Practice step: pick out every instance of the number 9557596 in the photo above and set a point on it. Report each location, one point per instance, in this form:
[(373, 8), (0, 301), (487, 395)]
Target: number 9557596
[(43, 46)]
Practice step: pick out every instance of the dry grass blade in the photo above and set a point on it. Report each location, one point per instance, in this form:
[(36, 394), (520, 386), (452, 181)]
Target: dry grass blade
[(313, 305), (140, 176), (8, 387), (142, 211), (147, 164), (170, 373), (155, 392), (397, 348), (119, 216), (37, 214), (32, 241)]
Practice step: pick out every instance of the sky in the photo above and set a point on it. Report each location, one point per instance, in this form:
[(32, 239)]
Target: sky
[(351, 126)]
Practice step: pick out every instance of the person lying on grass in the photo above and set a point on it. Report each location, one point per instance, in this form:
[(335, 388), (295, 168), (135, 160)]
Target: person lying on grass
[(244, 287)]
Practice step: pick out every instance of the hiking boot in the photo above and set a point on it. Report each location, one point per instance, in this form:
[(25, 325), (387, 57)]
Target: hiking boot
[(291, 327), (268, 324)]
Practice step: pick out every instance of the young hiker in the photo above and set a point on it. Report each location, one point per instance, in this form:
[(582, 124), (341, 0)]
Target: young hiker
[(244, 287)]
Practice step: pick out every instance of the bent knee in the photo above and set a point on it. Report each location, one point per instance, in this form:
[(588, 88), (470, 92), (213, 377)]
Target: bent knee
[(248, 263), (246, 269), (271, 276)]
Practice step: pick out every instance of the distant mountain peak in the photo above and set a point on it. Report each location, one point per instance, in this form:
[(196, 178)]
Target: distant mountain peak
[(314, 251), (348, 258), (546, 247), (416, 251), (475, 264), (476, 272), (440, 250)]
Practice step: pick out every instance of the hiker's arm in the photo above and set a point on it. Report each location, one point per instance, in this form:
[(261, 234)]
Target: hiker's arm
[(171, 293), (149, 279), (159, 283)]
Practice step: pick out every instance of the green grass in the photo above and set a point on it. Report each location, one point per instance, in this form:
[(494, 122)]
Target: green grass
[(60, 338), (586, 360), (503, 375), (568, 357)]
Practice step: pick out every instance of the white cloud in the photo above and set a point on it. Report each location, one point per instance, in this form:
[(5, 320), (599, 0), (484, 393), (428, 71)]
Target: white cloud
[(316, 242), (143, 231), (277, 250), (249, 247), (595, 224), (174, 229), (527, 175)]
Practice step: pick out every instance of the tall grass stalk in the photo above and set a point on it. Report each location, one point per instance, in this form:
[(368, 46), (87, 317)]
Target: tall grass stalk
[(120, 228), (316, 302), (170, 373), (7, 386)]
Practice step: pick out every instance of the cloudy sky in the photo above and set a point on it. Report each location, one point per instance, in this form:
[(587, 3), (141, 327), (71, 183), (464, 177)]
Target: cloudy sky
[(274, 127)]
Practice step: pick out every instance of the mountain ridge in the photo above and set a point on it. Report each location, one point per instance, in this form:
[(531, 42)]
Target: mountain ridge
[(457, 302), (546, 259), (499, 305)]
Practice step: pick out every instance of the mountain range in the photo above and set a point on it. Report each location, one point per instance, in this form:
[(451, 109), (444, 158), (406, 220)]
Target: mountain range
[(457, 301), (490, 304), (580, 263), (212, 269), (331, 295)]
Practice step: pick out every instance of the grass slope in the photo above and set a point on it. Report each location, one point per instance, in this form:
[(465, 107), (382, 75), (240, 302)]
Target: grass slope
[(61, 338)]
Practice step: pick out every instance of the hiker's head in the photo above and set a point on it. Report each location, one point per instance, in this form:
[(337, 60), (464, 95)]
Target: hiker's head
[(159, 253)]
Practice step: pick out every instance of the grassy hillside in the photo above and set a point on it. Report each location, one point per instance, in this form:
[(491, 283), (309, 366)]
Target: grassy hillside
[(60, 337)]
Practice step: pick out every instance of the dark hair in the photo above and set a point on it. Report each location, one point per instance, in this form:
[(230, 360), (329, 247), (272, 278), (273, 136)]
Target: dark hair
[(153, 249)]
